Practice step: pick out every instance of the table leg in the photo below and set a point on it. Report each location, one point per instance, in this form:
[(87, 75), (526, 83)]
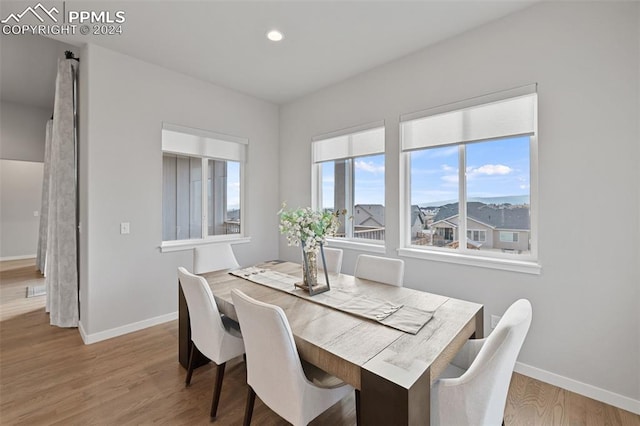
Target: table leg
[(383, 402), (479, 333)]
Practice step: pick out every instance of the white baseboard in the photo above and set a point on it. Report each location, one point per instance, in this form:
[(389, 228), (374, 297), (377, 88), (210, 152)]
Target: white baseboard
[(26, 256), (590, 391), (83, 334), (125, 329)]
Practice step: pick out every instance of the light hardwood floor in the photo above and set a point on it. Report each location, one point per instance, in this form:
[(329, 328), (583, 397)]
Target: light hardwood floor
[(48, 376)]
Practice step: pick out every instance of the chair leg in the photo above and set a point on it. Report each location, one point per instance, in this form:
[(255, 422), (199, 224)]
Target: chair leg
[(187, 381), (217, 389), (358, 408), (248, 411)]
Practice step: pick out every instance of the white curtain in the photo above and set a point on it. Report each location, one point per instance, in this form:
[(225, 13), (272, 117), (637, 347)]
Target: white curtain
[(41, 253), (61, 266)]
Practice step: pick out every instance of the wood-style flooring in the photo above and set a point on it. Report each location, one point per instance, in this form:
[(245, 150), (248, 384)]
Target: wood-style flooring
[(49, 377)]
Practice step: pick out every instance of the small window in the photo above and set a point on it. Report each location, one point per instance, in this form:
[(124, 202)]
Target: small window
[(349, 170), (192, 210), (477, 235)]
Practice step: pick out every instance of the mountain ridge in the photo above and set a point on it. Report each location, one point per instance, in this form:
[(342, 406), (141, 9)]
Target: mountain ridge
[(507, 199)]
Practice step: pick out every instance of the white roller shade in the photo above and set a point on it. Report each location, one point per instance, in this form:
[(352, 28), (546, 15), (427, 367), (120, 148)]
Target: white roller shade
[(200, 143), (509, 117), (367, 142)]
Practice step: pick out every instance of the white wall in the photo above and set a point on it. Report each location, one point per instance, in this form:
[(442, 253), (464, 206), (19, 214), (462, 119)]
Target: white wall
[(586, 328), (20, 197), (22, 131), (22, 135), (125, 279)]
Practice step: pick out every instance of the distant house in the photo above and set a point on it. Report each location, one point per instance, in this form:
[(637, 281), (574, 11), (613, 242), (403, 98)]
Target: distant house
[(233, 215), (368, 221), (232, 223), (368, 215), (489, 226)]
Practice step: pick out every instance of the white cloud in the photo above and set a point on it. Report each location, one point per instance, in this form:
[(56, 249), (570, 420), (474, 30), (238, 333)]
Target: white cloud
[(448, 168), (490, 170), (369, 166)]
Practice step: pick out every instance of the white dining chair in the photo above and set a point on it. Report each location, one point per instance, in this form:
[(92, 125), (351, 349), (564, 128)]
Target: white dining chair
[(213, 257), (473, 388), (296, 391), (333, 258), (215, 338), (381, 269)]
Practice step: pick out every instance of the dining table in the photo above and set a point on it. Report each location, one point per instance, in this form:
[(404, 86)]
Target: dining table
[(391, 363)]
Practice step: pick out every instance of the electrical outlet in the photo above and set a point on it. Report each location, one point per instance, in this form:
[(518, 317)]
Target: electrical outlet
[(494, 321), (124, 228)]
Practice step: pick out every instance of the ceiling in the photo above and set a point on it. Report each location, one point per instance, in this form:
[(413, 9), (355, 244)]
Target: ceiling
[(325, 42), (28, 68)]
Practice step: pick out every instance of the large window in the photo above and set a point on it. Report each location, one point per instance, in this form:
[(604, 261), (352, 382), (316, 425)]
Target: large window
[(192, 210), (349, 175), (469, 170)]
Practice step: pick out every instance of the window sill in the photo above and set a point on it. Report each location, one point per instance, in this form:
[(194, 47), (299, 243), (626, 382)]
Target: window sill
[(356, 245), (522, 266), (182, 245)]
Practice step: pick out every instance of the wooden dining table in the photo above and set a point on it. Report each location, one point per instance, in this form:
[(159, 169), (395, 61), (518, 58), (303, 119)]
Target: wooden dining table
[(392, 369)]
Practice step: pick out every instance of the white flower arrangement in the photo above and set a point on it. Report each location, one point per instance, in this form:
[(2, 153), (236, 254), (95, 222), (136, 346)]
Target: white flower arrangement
[(308, 227)]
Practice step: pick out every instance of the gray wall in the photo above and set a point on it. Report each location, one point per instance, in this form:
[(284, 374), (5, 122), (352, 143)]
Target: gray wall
[(20, 192), (22, 131), (123, 101), (22, 134), (585, 333)]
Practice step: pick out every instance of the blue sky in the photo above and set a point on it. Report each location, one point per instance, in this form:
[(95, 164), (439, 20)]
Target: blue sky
[(494, 169), (233, 185), (369, 181)]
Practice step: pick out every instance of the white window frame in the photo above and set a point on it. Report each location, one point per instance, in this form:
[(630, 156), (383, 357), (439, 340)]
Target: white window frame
[(345, 151), (515, 236), (480, 232), (206, 145), (525, 263)]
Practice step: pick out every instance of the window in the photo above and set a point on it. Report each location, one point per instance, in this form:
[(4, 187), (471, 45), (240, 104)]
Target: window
[(508, 237), (192, 210), (349, 174), (470, 169), (477, 235)]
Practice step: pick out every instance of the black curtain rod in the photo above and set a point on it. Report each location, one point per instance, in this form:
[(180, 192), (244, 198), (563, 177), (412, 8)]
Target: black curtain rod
[(69, 55)]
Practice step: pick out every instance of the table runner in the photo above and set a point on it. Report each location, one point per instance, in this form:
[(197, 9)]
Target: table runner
[(398, 316)]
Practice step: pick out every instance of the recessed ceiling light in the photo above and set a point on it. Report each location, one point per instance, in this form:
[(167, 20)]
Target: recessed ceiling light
[(275, 35)]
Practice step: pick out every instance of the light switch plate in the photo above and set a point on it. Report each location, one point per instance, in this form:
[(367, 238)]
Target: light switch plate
[(124, 228)]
